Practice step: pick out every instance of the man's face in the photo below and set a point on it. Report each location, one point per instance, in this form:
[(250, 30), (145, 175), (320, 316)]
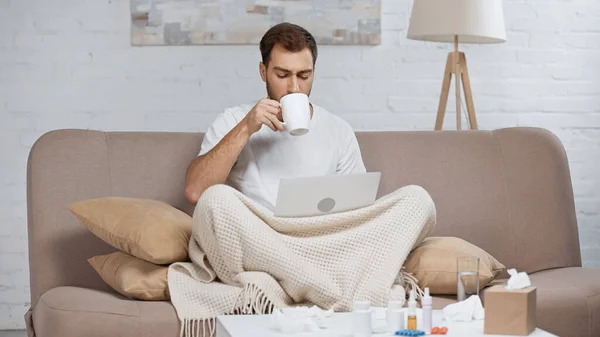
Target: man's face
[(288, 72)]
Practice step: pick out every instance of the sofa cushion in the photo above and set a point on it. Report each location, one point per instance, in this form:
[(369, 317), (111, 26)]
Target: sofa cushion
[(568, 301), (151, 230), (75, 312), (434, 264), (132, 277)]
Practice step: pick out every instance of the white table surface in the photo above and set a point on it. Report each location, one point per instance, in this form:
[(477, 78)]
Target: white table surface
[(341, 326)]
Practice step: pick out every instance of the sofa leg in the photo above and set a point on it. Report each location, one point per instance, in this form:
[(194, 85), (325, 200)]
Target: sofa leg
[(29, 323)]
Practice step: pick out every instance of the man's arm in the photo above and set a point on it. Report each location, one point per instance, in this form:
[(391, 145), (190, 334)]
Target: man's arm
[(214, 166)]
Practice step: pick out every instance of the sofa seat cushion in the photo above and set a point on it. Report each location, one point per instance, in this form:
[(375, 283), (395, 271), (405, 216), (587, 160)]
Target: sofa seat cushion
[(568, 301), (73, 311)]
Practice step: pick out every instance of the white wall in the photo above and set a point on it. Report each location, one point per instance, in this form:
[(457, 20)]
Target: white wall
[(68, 64)]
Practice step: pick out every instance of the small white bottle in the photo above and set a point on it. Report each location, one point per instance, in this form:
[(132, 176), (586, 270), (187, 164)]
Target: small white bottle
[(395, 316), (412, 312), (426, 303), (362, 319)]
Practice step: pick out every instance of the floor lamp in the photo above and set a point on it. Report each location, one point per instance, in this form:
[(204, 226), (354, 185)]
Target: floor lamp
[(457, 21)]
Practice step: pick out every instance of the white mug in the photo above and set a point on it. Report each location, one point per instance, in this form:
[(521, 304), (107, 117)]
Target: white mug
[(296, 113)]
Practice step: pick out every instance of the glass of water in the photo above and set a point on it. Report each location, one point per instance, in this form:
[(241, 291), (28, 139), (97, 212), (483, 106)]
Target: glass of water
[(468, 277)]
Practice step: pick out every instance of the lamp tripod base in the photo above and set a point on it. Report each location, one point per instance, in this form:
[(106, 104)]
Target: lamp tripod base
[(456, 64)]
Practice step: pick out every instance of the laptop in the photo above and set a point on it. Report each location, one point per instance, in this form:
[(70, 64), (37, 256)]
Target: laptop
[(311, 196)]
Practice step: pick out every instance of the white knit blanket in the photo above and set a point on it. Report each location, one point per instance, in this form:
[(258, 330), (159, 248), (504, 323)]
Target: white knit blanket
[(247, 261)]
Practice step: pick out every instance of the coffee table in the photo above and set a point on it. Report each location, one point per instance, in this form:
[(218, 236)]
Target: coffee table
[(341, 325)]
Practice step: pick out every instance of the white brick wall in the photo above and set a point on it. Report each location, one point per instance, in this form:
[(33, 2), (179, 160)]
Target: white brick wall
[(68, 63)]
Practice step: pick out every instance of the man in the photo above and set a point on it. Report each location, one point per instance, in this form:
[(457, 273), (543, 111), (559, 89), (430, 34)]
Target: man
[(247, 148), (244, 260)]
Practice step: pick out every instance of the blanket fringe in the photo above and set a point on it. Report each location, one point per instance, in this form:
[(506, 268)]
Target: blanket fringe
[(406, 278), (190, 327), (251, 301)]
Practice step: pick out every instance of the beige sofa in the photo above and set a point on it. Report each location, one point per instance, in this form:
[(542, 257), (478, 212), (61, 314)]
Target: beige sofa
[(508, 191)]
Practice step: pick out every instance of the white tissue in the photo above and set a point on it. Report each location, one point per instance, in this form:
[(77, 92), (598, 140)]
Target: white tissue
[(517, 280), (300, 319), (465, 311)]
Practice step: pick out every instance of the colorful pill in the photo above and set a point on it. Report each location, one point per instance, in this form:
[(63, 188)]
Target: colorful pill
[(410, 333)]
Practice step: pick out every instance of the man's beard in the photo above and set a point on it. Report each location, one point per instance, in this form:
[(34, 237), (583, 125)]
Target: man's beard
[(272, 95)]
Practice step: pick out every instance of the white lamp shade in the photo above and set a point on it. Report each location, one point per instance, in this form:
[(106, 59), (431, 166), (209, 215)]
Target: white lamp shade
[(474, 21)]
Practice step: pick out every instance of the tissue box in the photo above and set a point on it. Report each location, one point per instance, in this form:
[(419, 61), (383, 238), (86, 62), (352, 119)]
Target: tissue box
[(510, 312)]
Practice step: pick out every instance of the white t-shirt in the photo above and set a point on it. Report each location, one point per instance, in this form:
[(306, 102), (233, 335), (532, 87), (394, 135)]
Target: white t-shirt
[(329, 147)]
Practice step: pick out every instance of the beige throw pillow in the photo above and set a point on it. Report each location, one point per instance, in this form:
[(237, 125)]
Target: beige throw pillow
[(132, 277), (434, 264), (151, 230)]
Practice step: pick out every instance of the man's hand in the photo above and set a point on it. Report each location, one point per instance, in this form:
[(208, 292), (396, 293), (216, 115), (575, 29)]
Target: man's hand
[(264, 112)]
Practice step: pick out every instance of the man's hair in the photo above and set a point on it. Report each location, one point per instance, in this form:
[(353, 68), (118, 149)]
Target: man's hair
[(291, 37)]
